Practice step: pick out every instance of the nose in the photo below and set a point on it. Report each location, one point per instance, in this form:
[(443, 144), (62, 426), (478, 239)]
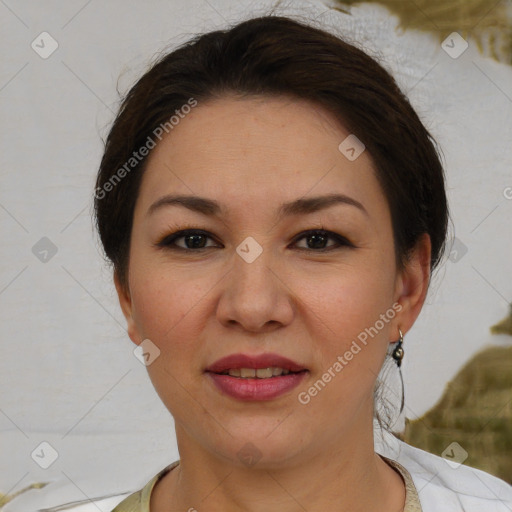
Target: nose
[(256, 296)]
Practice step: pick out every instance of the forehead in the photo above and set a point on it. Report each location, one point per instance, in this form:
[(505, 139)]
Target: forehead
[(258, 150)]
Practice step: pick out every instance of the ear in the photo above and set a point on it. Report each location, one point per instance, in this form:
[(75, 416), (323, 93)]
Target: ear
[(412, 285), (125, 302)]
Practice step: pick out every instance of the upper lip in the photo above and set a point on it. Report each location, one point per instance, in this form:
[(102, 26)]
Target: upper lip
[(267, 360)]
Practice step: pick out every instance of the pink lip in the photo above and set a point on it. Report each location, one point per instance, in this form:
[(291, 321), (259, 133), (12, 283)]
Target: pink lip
[(256, 389), (260, 361)]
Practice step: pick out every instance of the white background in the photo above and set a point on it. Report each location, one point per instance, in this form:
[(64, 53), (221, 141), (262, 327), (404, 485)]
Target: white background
[(68, 375)]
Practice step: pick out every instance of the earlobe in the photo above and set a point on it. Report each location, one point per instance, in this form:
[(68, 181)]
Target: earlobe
[(412, 283)]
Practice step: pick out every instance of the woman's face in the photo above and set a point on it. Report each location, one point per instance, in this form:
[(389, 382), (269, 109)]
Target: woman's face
[(257, 283)]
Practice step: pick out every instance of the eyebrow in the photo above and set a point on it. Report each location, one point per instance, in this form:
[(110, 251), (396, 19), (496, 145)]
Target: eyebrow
[(211, 208)]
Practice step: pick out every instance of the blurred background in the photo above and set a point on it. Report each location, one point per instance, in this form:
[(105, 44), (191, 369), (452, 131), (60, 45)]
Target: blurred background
[(77, 408)]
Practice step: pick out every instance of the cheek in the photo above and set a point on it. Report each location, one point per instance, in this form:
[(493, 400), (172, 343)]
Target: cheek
[(350, 298), (350, 316), (349, 340), (167, 314), (164, 301)]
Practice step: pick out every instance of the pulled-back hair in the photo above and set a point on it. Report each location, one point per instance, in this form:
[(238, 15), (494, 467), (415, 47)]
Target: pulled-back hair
[(274, 55)]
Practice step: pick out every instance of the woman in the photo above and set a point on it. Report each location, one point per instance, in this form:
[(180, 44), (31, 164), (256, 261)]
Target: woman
[(274, 209)]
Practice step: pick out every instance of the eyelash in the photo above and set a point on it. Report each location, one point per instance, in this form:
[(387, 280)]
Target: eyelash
[(167, 241)]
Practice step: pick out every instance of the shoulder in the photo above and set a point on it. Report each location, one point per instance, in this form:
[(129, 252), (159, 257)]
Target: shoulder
[(139, 500), (132, 503), (61, 495), (446, 485)]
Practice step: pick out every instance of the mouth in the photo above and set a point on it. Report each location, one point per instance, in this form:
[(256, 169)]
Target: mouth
[(257, 373), (261, 366), (261, 377)]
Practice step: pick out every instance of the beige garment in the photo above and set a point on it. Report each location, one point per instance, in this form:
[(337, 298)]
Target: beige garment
[(412, 500), (139, 501)]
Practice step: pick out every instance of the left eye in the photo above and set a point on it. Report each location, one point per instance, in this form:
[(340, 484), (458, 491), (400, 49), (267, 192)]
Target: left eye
[(318, 237), (195, 240)]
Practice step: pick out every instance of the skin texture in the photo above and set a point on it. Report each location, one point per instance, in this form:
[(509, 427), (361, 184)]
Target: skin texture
[(251, 155)]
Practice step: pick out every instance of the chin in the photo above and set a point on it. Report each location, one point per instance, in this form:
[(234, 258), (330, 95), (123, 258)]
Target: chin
[(260, 446)]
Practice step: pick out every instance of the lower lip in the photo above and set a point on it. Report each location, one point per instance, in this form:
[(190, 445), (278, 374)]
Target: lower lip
[(257, 389)]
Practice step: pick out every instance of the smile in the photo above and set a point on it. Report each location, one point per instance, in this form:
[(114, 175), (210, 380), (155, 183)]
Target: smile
[(253, 387), (260, 373)]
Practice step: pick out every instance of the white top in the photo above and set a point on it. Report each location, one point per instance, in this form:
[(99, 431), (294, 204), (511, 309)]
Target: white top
[(444, 485), (441, 485)]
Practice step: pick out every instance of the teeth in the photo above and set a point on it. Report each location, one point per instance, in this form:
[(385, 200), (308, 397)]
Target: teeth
[(264, 373), (260, 373)]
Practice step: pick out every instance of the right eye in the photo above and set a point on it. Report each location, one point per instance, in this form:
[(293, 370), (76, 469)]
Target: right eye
[(194, 240)]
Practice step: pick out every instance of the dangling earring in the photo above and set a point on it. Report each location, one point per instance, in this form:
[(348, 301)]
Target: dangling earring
[(398, 354)]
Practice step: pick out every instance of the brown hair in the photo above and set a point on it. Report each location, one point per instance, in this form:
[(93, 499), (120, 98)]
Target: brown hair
[(274, 55)]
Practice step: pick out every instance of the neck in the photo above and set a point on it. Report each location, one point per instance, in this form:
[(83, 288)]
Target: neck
[(351, 477)]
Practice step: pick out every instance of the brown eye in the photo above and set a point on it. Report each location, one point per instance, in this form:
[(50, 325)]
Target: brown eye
[(194, 240), (317, 239)]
